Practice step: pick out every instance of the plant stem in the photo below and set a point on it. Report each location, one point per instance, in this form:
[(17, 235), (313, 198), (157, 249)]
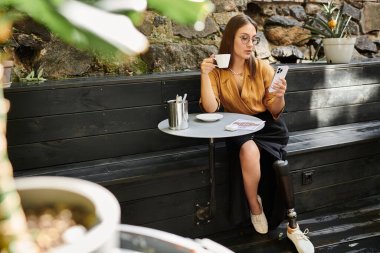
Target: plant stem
[(13, 227), (317, 51)]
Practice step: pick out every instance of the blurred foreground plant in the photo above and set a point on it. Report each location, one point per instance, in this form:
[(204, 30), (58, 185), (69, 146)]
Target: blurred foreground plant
[(14, 235), (105, 27)]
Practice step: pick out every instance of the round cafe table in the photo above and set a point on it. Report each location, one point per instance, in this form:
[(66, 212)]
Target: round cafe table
[(210, 130)]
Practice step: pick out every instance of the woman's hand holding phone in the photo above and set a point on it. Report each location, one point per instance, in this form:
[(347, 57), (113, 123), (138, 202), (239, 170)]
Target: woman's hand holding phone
[(278, 85)]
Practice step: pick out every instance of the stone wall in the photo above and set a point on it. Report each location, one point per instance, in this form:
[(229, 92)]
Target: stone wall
[(178, 48)]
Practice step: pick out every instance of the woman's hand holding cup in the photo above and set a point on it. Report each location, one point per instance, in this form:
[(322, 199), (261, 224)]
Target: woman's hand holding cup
[(208, 65)]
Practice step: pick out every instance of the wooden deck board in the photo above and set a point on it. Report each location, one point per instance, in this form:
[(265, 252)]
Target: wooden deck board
[(367, 245), (350, 227)]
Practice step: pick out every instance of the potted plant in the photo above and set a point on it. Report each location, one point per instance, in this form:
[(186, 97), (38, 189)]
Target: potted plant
[(66, 20), (88, 214), (331, 28), (38, 214)]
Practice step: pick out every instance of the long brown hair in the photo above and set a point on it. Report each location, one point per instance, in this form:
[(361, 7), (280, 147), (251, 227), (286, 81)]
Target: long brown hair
[(227, 43)]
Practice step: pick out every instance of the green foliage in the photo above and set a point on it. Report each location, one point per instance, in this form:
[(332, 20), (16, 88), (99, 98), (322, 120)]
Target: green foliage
[(326, 25), (47, 12), (183, 11), (32, 77), (9, 15), (329, 9), (139, 66)]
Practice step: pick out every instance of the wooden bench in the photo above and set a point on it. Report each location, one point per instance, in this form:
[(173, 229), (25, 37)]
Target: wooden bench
[(105, 130)]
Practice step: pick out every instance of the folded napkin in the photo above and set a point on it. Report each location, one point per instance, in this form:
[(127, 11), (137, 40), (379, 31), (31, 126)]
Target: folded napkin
[(243, 124)]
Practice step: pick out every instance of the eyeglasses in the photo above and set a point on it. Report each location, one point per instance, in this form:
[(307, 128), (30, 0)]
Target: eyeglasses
[(245, 39)]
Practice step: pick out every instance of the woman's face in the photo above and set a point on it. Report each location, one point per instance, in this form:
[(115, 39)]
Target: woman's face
[(243, 45)]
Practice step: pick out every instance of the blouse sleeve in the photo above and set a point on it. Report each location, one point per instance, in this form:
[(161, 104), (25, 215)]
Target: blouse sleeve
[(268, 73), (215, 84), (269, 98)]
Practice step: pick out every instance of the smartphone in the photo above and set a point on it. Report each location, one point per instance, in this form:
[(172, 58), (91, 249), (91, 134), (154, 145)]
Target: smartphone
[(280, 72)]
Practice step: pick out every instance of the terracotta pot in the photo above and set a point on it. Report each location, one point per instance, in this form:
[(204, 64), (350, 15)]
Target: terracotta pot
[(37, 192), (339, 50)]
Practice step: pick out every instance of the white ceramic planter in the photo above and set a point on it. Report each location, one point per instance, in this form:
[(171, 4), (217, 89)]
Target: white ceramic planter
[(103, 237), (136, 239), (339, 50), (7, 75)]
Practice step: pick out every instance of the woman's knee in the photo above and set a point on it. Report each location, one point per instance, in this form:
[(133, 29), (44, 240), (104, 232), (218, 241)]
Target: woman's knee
[(249, 151)]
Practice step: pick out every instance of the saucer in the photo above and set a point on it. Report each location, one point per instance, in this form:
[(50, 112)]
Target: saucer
[(209, 117)]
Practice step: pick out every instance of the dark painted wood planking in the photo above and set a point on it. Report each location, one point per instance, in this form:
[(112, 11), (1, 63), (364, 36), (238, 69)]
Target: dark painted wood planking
[(337, 194), (337, 173), (325, 98), (95, 147), (55, 101)]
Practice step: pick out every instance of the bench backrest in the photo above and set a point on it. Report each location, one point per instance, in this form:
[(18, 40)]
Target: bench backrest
[(329, 95), (72, 121)]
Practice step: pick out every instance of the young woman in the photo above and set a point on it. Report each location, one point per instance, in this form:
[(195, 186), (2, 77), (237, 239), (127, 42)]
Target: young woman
[(243, 88)]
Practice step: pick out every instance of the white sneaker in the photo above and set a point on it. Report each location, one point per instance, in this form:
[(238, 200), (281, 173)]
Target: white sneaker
[(259, 221), (300, 240)]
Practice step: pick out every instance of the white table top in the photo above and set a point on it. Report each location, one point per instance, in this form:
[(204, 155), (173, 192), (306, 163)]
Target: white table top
[(216, 129)]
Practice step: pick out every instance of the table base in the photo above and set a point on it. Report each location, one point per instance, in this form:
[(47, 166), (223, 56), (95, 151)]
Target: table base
[(204, 213)]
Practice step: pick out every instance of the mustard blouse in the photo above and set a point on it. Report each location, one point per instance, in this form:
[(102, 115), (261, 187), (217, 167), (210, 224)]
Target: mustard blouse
[(253, 98)]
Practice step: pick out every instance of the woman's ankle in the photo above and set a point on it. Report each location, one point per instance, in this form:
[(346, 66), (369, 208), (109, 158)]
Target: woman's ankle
[(256, 209)]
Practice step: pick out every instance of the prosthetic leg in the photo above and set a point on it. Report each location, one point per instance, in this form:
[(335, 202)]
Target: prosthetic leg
[(282, 172), (299, 238)]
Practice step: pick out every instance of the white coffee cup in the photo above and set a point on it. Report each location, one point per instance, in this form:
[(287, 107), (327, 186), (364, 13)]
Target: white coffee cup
[(222, 60)]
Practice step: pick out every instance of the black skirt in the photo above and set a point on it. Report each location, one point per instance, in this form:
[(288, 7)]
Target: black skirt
[(271, 140)]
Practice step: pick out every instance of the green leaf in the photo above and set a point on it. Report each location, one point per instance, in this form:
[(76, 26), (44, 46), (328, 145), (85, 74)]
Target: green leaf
[(333, 9), (326, 8), (91, 2), (317, 51), (345, 27), (316, 31), (324, 30), (136, 17), (30, 75), (10, 16), (45, 12), (325, 26), (40, 73), (183, 11)]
